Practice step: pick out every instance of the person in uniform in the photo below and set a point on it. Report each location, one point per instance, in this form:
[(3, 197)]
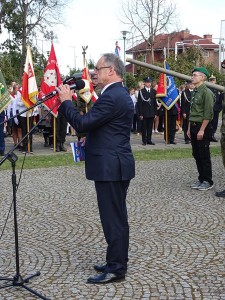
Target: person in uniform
[(199, 129), (147, 110), (216, 108), (186, 95), (222, 138)]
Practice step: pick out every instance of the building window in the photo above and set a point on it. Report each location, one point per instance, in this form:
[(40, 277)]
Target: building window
[(145, 58), (205, 53)]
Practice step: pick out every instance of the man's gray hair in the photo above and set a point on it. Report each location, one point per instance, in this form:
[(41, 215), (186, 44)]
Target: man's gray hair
[(113, 60)]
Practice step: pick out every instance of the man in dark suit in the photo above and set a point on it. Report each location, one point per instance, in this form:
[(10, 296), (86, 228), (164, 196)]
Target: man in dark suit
[(108, 159), (147, 109)]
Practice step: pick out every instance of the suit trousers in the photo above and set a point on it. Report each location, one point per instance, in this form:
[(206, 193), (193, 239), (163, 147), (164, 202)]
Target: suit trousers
[(61, 125), (23, 124), (111, 196), (201, 152), (185, 128), (147, 125), (214, 122)]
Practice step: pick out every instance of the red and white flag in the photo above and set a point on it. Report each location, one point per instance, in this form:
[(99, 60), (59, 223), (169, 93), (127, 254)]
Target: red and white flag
[(88, 94), (29, 85), (50, 81)]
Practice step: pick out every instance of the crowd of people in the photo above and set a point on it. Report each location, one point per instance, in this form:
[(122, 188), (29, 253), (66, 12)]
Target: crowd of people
[(150, 116), (105, 130), (17, 126)]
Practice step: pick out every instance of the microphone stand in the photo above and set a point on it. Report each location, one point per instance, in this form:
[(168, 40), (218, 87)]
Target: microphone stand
[(17, 279)]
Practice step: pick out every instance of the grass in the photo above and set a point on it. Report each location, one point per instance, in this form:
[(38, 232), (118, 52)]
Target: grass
[(66, 159)]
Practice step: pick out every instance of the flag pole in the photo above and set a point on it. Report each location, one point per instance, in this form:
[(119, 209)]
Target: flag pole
[(54, 133), (28, 130), (166, 126)]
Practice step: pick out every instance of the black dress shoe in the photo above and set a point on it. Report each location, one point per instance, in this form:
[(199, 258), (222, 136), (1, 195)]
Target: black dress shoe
[(187, 142), (100, 268), (150, 143), (213, 139), (220, 194), (105, 278), (172, 143), (144, 144)]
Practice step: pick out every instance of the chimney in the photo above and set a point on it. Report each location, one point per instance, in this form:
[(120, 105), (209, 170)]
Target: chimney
[(185, 34), (207, 36)]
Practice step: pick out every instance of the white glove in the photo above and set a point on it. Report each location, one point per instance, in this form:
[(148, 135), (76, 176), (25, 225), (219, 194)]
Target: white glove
[(16, 121)]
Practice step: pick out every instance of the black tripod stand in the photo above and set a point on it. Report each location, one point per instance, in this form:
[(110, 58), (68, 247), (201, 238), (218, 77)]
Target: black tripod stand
[(17, 280)]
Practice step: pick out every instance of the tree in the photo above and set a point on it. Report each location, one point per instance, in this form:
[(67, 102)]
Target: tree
[(147, 18), (25, 19), (189, 59)]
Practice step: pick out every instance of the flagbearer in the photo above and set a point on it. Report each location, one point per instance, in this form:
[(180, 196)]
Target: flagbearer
[(199, 130)]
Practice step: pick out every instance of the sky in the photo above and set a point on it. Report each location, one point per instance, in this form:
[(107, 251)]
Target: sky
[(96, 24)]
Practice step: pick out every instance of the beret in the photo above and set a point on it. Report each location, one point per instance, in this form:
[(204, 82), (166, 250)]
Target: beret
[(201, 70), (147, 79)]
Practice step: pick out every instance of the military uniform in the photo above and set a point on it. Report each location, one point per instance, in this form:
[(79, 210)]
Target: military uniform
[(186, 96), (147, 108), (216, 109), (222, 130), (202, 109)]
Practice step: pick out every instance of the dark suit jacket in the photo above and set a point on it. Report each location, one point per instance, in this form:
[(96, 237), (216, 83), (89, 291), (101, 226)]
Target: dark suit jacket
[(108, 155), (186, 101), (147, 109)]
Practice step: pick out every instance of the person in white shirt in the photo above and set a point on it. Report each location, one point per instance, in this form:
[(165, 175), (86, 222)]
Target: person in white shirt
[(21, 120), (12, 110)]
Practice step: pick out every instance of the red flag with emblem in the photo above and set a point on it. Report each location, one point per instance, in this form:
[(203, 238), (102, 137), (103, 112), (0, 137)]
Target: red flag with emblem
[(88, 95), (29, 85), (50, 81)]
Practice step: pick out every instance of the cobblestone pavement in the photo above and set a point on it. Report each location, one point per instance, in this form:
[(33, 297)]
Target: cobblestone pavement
[(177, 235)]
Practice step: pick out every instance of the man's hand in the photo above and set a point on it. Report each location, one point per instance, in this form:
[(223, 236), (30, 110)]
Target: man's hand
[(64, 92), (200, 135), (83, 141)]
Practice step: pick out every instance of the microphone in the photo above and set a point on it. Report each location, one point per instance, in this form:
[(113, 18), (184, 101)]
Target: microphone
[(70, 80), (78, 85)]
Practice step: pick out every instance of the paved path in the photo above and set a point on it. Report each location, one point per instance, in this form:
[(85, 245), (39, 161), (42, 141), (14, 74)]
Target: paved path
[(177, 235)]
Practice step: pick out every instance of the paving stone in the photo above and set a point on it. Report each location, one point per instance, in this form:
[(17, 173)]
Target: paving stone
[(177, 235)]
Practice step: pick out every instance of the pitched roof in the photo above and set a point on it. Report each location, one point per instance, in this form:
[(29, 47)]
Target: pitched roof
[(169, 39)]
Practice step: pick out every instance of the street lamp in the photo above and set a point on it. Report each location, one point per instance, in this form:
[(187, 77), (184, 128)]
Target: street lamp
[(84, 53), (124, 33)]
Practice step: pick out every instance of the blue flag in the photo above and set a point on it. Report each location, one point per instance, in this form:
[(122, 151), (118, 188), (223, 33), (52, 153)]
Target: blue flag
[(117, 49), (172, 93)]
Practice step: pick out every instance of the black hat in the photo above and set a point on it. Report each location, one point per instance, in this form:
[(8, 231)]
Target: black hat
[(188, 82), (148, 79)]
